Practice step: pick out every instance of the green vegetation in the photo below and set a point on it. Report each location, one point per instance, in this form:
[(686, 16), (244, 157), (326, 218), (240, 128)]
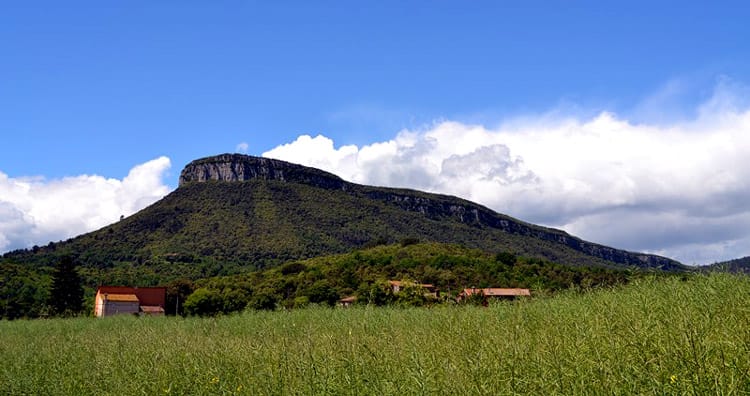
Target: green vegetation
[(323, 280), (741, 265), (227, 230), (66, 292), (222, 228), (23, 292), (653, 336)]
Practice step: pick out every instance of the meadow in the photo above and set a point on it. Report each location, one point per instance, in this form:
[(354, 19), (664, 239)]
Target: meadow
[(673, 335)]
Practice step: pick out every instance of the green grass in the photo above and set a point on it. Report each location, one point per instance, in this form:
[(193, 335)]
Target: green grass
[(654, 336)]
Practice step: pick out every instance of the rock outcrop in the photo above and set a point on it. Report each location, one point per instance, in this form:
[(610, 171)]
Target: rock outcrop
[(239, 167)]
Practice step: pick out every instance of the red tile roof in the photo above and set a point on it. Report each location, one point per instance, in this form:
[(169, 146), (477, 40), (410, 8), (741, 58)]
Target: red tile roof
[(121, 297), (155, 296), (150, 309)]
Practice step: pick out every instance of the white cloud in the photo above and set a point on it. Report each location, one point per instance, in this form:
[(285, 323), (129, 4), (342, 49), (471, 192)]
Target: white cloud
[(34, 210), (242, 148), (680, 189)]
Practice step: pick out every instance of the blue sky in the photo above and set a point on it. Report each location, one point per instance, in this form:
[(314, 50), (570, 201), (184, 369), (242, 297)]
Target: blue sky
[(100, 88)]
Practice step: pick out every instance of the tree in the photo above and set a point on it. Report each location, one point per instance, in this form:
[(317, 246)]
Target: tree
[(177, 293), (506, 258), (379, 293), (412, 294), (263, 300), (204, 302), (66, 293), (322, 292)]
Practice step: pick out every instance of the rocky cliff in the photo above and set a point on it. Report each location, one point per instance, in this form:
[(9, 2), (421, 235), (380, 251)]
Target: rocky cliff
[(238, 167)]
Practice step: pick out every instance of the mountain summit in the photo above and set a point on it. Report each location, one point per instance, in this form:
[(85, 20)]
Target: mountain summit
[(232, 212), (238, 167)]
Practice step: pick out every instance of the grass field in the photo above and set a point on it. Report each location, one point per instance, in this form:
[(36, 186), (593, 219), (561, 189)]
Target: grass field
[(655, 336)]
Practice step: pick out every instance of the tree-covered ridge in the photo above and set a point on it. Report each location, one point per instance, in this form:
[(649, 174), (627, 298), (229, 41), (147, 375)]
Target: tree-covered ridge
[(24, 291), (740, 265), (203, 289), (449, 267), (230, 227)]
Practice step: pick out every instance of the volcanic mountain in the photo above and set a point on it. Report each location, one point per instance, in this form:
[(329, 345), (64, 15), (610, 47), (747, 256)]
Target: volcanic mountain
[(247, 212)]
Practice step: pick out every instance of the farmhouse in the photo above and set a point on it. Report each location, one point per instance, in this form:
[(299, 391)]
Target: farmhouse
[(493, 292), (113, 300)]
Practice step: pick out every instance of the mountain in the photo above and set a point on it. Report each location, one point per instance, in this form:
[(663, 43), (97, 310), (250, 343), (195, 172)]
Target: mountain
[(235, 212), (740, 265)]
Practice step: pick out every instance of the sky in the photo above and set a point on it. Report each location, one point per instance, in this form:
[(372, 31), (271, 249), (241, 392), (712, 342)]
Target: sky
[(624, 123)]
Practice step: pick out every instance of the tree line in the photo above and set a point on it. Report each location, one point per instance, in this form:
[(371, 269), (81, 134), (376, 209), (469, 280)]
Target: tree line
[(363, 274)]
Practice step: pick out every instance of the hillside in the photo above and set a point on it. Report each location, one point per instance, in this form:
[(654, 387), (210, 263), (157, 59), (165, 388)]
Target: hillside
[(232, 213), (364, 273), (741, 265)]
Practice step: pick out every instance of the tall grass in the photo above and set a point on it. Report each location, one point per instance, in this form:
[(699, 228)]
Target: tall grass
[(663, 336)]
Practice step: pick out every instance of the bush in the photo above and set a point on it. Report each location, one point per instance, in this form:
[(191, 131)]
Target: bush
[(292, 268), (378, 293), (204, 302), (322, 292), (263, 300), (506, 258), (409, 241)]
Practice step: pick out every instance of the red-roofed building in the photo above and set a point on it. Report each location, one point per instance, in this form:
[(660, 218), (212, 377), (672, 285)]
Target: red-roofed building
[(113, 300)]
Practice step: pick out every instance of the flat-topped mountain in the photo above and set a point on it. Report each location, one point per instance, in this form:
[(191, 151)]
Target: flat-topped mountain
[(237, 210)]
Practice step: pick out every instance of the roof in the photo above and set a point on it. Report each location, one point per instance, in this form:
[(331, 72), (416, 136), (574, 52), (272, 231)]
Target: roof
[(497, 292), (152, 309), (154, 296), (121, 297), (401, 283)]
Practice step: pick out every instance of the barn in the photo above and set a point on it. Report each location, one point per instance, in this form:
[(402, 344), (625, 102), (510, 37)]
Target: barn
[(114, 300)]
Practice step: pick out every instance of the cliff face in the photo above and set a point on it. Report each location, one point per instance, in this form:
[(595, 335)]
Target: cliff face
[(238, 167), (439, 207)]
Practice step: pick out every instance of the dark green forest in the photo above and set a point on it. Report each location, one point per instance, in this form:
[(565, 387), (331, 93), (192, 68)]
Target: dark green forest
[(326, 279), (364, 273)]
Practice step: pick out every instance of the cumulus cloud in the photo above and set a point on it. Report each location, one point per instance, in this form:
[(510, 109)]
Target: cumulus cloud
[(681, 189), (35, 211)]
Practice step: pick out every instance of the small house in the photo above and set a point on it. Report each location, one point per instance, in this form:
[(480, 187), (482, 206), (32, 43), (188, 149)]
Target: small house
[(347, 301), (114, 300)]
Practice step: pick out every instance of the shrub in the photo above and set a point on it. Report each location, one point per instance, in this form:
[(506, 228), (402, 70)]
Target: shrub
[(204, 302)]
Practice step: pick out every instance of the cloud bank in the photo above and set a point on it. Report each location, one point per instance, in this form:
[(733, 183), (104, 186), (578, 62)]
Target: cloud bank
[(35, 211), (680, 189)]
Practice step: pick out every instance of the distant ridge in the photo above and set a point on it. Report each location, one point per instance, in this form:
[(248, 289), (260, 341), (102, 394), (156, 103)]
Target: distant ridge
[(259, 212), (740, 265)]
